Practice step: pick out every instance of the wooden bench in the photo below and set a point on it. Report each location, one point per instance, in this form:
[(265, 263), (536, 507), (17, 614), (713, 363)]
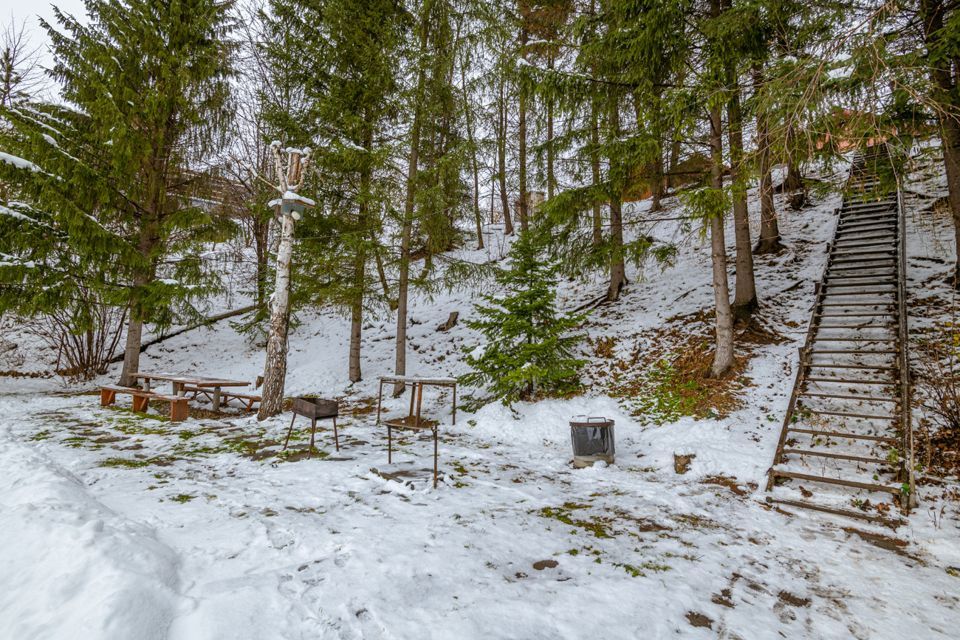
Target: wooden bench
[(179, 410), (248, 399)]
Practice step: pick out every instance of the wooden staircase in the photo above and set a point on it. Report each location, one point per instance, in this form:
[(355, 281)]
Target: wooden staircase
[(846, 443)]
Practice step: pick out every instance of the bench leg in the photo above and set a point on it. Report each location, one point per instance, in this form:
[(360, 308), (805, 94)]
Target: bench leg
[(179, 411), (336, 437), (140, 403), (107, 397), (289, 431), (435, 458), (389, 443), (313, 432), (216, 398)]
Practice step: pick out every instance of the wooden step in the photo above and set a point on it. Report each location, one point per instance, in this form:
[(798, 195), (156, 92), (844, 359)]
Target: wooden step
[(865, 293), (817, 365), (867, 214), (859, 206), (847, 513), (843, 396), (866, 242), (835, 456), (881, 224), (831, 285), (868, 252), (870, 277), (855, 352), (848, 381), (871, 233), (867, 486), (882, 263), (846, 436), (854, 326), (845, 414), (856, 304), (855, 315)]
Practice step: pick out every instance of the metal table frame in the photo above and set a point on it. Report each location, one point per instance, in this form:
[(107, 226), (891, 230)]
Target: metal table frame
[(414, 420)]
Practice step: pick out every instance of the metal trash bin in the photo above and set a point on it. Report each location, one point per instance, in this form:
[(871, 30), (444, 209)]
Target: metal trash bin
[(593, 440)]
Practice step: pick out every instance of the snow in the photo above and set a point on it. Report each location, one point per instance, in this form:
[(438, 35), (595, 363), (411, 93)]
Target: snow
[(88, 572), (120, 526), (18, 162), (7, 211), (290, 196)]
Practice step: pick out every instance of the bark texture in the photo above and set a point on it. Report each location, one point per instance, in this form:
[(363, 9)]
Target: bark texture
[(769, 240), (723, 353), (745, 290)]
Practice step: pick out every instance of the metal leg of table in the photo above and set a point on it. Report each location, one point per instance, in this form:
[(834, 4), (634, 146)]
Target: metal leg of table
[(435, 458), (313, 432), (336, 438), (379, 401), (289, 431), (389, 444)]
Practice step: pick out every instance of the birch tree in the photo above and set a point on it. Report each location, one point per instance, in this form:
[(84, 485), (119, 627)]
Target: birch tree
[(288, 207)]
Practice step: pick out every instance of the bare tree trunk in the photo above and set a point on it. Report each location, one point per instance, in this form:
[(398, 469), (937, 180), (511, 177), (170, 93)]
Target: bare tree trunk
[(769, 240), (932, 14), (275, 369), (551, 176), (261, 234), (403, 286), (502, 158), (794, 179), (359, 272), (356, 325), (723, 354), (131, 352), (524, 202), (745, 294), (618, 276), (474, 164), (951, 160), (595, 171), (384, 285)]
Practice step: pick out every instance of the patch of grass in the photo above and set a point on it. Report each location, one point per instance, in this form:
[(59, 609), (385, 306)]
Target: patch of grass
[(666, 376), (598, 526), (130, 422), (136, 463), (640, 571), (183, 498), (41, 435)]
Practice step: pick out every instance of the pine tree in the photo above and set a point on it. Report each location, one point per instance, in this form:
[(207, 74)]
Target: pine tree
[(348, 99), (108, 187), (529, 346)]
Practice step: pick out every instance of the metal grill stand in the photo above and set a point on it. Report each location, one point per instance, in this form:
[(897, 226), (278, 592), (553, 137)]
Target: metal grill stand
[(315, 409)]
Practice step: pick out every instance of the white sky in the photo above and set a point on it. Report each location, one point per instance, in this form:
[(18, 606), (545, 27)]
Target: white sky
[(17, 11)]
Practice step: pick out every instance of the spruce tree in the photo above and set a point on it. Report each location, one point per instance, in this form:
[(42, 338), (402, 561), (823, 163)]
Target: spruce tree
[(528, 348), (343, 57), (110, 176)]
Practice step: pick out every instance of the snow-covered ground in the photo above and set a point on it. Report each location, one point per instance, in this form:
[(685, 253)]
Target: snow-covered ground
[(115, 525)]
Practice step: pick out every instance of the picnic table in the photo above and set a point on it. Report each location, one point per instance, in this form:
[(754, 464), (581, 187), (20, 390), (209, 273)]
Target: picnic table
[(184, 382)]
